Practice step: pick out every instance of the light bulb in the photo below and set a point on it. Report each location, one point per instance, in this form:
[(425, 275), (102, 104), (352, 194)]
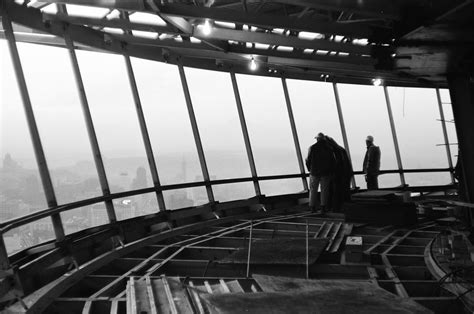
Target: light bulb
[(377, 81), (253, 64), (207, 29)]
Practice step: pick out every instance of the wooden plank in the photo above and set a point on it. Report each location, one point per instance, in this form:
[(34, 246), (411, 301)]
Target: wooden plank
[(381, 241), (195, 298), (334, 235), (235, 286), (169, 295), (225, 288), (318, 234), (347, 229), (326, 232), (179, 295), (151, 296)]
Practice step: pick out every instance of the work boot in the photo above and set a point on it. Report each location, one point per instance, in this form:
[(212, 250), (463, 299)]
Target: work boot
[(323, 210)]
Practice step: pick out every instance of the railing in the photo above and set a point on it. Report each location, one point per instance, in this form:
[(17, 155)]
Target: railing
[(20, 221)]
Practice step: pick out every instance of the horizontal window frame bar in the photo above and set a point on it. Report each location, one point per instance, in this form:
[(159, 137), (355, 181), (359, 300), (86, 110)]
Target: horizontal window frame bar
[(20, 221)]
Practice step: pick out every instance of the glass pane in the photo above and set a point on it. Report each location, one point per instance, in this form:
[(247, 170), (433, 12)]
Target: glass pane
[(137, 205), (268, 123), (428, 178), (182, 198), (365, 113), (234, 191), (28, 235), (115, 120), (420, 133), (20, 184), (278, 187), (450, 125), (78, 219), (167, 119), (314, 108), (60, 122), (218, 121), (389, 180)]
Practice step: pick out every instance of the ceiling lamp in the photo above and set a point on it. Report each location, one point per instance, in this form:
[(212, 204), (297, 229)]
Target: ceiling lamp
[(253, 64), (207, 28), (377, 81)]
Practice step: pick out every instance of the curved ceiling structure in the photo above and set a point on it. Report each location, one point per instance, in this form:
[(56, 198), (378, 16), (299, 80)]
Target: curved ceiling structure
[(409, 43)]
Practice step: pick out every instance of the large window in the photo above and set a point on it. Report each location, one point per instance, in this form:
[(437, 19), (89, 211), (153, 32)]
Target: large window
[(450, 124), (21, 191), (60, 122), (268, 124), (115, 120), (167, 119), (269, 127), (420, 133), (221, 134), (314, 109), (216, 114), (365, 113)]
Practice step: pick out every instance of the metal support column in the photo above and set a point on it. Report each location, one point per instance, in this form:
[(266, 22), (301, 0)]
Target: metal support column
[(394, 135), (445, 133), (245, 133), (143, 126), (197, 137), (295, 133), (145, 135), (461, 89), (34, 133), (99, 164), (343, 127)]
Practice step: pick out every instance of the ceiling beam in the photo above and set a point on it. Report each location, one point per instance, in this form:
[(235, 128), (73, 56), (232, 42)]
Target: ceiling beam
[(272, 21)]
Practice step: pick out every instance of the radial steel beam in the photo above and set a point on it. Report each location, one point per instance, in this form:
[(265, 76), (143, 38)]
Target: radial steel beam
[(33, 128), (445, 133), (99, 164), (143, 127), (245, 133), (295, 133), (343, 127), (394, 134), (197, 137)]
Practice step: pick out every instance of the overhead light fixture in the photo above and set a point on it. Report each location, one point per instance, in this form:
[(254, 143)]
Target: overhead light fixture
[(207, 28), (377, 81), (253, 64)]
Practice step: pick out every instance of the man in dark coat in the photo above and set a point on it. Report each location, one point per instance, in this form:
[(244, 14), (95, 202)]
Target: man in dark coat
[(321, 164), (371, 165), (341, 185)]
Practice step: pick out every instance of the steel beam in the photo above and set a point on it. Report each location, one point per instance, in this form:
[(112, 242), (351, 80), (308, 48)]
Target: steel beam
[(143, 126), (461, 90), (197, 137), (294, 133), (99, 164), (245, 133), (33, 128), (394, 134), (343, 127), (271, 21), (445, 132)]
